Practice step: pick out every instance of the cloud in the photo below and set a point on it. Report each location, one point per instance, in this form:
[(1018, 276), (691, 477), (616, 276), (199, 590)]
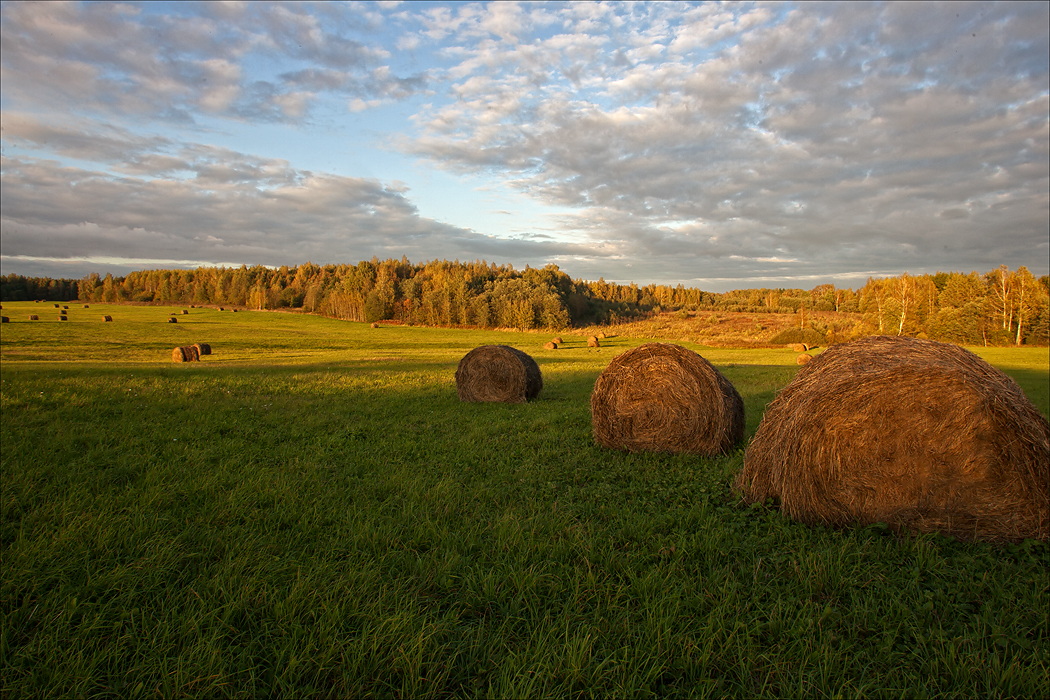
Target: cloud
[(686, 141), (802, 138), (175, 68)]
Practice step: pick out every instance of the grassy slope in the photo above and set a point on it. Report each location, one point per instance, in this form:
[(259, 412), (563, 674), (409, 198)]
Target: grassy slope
[(312, 511)]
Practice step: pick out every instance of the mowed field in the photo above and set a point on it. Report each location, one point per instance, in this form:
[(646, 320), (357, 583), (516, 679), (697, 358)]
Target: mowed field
[(311, 512)]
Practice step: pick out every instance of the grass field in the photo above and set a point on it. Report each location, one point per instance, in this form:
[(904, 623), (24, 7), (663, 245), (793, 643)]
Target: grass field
[(310, 511)]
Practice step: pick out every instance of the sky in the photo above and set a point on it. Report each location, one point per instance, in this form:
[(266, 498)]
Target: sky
[(718, 146)]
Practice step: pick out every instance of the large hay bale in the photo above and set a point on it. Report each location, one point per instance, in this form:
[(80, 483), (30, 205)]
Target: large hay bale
[(202, 348), (498, 373), (186, 353), (803, 359), (592, 342), (661, 397), (919, 435)]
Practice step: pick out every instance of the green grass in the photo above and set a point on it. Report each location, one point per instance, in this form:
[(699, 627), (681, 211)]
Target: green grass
[(310, 511)]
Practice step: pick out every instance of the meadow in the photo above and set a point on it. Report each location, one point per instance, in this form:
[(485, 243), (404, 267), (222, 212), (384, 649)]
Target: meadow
[(311, 512)]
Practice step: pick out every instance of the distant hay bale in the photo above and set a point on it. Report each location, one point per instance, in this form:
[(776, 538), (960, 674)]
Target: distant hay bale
[(86, 306), (34, 317), (919, 435), (63, 317), (557, 340), (498, 373), (221, 308), (798, 347), (58, 306), (173, 320), (550, 345), (185, 311), (202, 348), (65, 307), (186, 353), (661, 397), (107, 319), (4, 319), (234, 310), (592, 342), (374, 325), (803, 359)]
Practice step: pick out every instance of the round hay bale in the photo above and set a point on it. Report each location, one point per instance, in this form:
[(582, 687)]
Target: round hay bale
[(203, 348), (185, 311), (798, 347), (173, 320), (107, 319), (803, 359), (63, 317), (186, 353), (592, 342), (661, 397), (550, 346), (919, 435), (498, 373), (374, 325), (86, 306), (4, 319), (58, 306), (221, 308), (34, 317), (557, 341)]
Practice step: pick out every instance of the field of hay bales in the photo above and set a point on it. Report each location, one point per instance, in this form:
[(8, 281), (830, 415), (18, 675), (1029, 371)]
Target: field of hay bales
[(311, 510)]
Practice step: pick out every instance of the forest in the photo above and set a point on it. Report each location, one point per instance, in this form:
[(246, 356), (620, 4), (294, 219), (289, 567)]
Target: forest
[(999, 307)]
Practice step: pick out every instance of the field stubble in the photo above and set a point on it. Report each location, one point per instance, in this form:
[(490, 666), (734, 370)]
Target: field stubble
[(311, 511)]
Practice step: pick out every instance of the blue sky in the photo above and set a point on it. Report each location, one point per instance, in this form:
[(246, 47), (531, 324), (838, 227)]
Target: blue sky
[(716, 146)]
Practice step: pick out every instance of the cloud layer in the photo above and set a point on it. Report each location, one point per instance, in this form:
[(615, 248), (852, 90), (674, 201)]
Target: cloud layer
[(720, 146)]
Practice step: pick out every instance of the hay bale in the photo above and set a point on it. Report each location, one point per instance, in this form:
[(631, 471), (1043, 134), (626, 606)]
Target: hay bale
[(173, 320), (107, 319), (557, 341), (592, 342), (202, 348), (63, 317), (185, 311), (4, 319), (186, 353), (919, 435), (550, 346), (797, 347), (374, 325), (86, 306), (661, 397), (34, 317), (498, 373), (221, 308), (58, 306), (803, 359)]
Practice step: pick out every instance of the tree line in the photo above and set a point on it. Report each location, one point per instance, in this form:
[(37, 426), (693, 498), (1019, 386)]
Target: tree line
[(999, 307)]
